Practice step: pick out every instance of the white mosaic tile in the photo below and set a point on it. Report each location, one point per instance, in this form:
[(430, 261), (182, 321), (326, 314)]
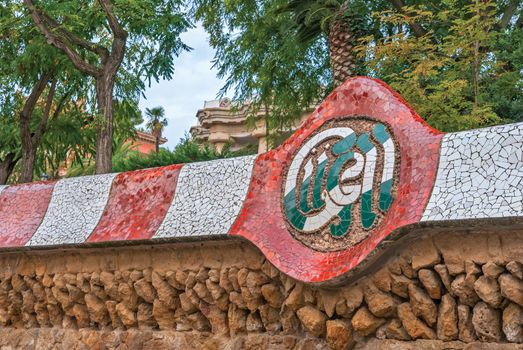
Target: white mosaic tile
[(480, 175), (208, 198), (306, 148), (74, 210)]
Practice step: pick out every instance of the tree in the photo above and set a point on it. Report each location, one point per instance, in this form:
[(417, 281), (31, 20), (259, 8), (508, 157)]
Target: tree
[(257, 54), (9, 136), (333, 19), (104, 74), (277, 54), (156, 123), (465, 73), (34, 74), (100, 36), (282, 57), (344, 23)]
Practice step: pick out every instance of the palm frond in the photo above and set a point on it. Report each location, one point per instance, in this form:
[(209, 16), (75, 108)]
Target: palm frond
[(312, 17)]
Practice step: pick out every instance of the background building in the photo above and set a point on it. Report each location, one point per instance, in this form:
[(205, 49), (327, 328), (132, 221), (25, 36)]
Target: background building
[(144, 142), (222, 121)]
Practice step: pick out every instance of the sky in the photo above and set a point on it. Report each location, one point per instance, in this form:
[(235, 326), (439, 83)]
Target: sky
[(193, 83)]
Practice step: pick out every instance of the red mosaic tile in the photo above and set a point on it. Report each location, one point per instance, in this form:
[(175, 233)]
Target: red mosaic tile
[(261, 219), (22, 208), (137, 204)]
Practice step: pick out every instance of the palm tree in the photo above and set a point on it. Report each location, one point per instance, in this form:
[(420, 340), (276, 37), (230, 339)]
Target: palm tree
[(156, 123), (314, 18), (343, 22)]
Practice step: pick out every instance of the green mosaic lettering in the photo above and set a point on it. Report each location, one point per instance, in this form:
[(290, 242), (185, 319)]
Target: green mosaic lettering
[(345, 215)]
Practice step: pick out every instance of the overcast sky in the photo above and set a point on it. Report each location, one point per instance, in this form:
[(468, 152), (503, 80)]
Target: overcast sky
[(193, 83)]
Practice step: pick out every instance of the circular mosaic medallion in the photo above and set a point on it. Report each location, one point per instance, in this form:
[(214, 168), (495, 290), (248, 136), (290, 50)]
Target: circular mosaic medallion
[(341, 183)]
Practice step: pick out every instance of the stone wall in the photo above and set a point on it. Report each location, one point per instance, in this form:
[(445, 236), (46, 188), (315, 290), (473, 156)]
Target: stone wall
[(459, 290)]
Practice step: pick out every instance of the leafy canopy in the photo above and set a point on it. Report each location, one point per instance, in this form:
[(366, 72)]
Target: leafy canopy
[(154, 28), (259, 59), (458, 62), (462, 75)]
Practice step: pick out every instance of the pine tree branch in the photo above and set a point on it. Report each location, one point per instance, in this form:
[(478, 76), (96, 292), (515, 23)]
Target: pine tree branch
[(58, 42)]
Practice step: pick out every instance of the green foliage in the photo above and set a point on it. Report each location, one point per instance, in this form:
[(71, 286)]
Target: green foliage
[(466, 73), (156, 120), (257, 54), (274, 53), (9, 104), (153, 42), (187, 151), (504, 89), (24, 57), (70, 139)]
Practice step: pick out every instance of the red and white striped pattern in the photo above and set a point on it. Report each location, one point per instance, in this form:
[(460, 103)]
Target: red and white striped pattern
[(136, 205)]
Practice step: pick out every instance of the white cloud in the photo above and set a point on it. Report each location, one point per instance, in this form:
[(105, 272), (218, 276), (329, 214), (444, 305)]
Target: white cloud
[(193, 82)]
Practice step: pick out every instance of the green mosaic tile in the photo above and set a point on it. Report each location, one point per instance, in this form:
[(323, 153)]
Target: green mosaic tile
[(367, 216), (344, 145), (380, 133), (341, 229), (317, 202), (334, 172), (385, 195), (304, 205), (364, 143), (294, 216)]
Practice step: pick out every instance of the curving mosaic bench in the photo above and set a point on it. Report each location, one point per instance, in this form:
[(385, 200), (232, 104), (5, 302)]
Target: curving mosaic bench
[(364, 171)]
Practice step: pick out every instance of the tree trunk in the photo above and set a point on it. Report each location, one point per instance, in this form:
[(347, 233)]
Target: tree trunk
[(29, 139), (341, 52), (342, 55), (28, 163), (157, 133), (104, 127), (6, 167)]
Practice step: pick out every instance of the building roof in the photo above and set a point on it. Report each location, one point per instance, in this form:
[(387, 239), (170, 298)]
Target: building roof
[(148, 137)]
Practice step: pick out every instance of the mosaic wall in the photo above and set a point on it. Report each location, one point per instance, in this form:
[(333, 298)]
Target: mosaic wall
[(208, 198), (480, 174), (339, 185), (362, 166)]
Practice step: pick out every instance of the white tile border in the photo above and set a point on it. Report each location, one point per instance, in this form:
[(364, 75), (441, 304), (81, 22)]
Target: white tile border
[(480, 175), (74, 210), (208, 198)]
